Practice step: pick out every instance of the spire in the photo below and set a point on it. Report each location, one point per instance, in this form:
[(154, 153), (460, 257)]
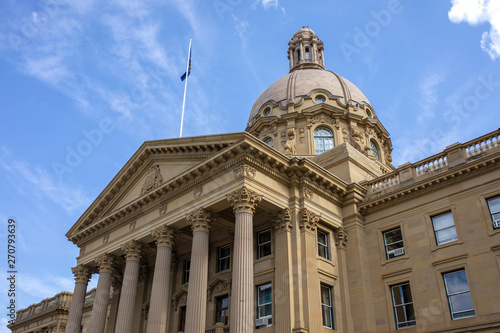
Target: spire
[(305, 50)]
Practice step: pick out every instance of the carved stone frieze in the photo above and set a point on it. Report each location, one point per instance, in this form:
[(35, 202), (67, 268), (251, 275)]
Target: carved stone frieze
[(341, 237), (219, 286), (133, 250), (308, 220), (180, 297), (308, 193), (164, 236), (163, 209), (105, 239), (268, 130), (302, 134), (283, 221), (197, 192), (81, 273), (201, 219), (322, 118), (105, 262), (153, 179), (132, 224), (244, 200), (245, 171)]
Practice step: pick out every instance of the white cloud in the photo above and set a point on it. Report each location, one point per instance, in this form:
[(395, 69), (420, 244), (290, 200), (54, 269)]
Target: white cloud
[(480, 11), (269, 3), (429, 95)]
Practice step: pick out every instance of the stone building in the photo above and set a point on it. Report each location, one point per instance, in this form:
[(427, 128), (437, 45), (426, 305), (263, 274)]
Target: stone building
[(299, 224)]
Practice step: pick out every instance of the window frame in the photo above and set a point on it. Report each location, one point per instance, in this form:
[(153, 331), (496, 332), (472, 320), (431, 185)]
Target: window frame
[(323, 138), (221, 259), (403, 305), (269, 141), (220, 310), (448, 227), (259, 287), (326, 246), (259, 245), (448, 295), (185, 270), (374, 145), (329, 306), (182, 318), (386, 245), (492, 213)]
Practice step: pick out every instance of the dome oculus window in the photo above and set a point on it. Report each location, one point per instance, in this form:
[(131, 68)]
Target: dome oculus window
[(320, 99), (267, 111), (269, 141), (375, 149), (323, 140)]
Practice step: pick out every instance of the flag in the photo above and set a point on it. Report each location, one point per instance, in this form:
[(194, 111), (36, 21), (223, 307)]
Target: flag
[(183, 77)]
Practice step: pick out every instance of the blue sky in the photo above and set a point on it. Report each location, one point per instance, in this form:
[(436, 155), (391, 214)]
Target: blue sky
[(84, 83)]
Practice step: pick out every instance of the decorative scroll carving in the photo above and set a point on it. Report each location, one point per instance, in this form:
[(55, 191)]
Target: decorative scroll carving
[(132, 224), (197, 192), (201, 219), (164, 236), (244, 200), (245, 171), (345, 135), (290, 147), (268, 130), (308, 220), (180, 297), (133, 250), (302, 134), (218, 286), (357, 137), (81, 273), (153, 179), (341, 237), (322, 118), (308, 193), (283, 221), (105, 262), (105, 239), (163, 209)]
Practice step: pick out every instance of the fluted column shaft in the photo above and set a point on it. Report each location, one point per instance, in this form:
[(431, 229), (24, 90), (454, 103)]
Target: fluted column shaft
[(128, 293), (100, 307), (196, 308), (157, 318), (244, 202), (82, 276)]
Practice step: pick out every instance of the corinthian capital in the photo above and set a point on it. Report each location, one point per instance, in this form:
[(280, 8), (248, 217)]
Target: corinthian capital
[(308, 220), (244, 200), (105, 262), (164, 236), (283, 221), (132, 250), (82, 273), (201, 220)]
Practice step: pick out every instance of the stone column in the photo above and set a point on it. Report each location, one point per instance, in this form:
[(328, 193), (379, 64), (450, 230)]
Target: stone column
[(244, 202), (100, 307), (128, 293), (157, 317), (82, 276), (196, 307), (340, 242)]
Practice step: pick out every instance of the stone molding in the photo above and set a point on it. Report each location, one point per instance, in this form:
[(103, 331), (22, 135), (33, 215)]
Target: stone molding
[(164, 236), (201, 219), (283, 221), (105, 262), (245, 171), (308, 220), (132, 250), (341, 237), (219, 286), (244, 200), (82, 273)]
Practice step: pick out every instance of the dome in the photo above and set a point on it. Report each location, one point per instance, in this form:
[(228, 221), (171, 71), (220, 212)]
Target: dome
[(293, 87)]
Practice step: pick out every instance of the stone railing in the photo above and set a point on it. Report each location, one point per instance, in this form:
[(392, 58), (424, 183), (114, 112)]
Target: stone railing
[(62, 299), (89, 296), (451, 157), (218, 328)]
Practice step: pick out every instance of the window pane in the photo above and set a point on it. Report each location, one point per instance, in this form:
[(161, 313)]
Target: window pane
[(446, 235), (494, 204), (264, 236), (325, 296), (327, 316), (265, 294), (461, 302), (395, 246), (265, 310), (393, 236), (456, 282), (224, 251), (443, 221)]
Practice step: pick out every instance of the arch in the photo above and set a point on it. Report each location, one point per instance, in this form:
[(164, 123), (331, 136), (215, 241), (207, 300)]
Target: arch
[(269, 141), (323, 139), (375, 149), (307, 56)]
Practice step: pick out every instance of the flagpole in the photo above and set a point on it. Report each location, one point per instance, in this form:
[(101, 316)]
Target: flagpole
[(185, 88)]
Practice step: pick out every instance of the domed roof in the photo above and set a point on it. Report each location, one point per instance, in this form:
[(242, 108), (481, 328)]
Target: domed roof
[(304, 29), (293, 87)]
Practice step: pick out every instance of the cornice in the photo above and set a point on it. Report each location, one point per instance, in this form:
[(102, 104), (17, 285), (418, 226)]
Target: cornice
[(57, 309), (436, 182)]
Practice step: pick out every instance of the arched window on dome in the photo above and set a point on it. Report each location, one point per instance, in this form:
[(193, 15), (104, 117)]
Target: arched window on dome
[(269, 141), (298, 56), (375, 149), (307, 53), (323, 140)]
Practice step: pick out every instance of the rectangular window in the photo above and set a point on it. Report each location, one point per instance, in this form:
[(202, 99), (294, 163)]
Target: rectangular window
[(323, 247), (224, 258), (403, 305), (393, 240), (459, 298), (182, 318), (265, 302), (263, 243), (444, 228), (327, 306), (494, 206), (222, 310), (185, 271)]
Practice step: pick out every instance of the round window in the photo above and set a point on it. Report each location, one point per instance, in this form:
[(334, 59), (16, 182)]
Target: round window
[(320, 99), (368, 113), (267, 111)]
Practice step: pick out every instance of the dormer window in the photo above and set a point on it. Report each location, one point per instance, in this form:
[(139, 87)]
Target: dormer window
[(307, 53)]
